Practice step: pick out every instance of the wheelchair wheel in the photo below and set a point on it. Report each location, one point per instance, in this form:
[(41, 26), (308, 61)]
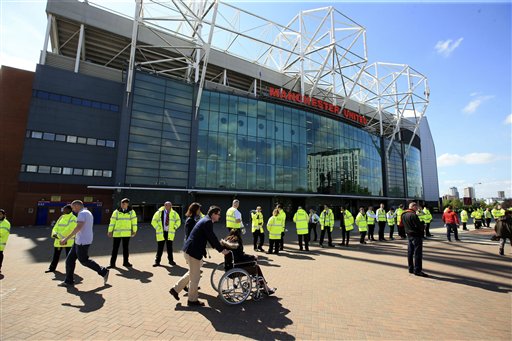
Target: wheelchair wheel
[(216, 275), (235, 286)]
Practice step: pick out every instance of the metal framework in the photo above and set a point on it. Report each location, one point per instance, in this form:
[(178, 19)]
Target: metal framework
[(320, 53)]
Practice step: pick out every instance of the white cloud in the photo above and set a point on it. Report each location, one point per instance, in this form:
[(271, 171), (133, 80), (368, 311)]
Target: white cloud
[(508, 120), (473, 105), (17, 62), (446, 47), (447, 159)]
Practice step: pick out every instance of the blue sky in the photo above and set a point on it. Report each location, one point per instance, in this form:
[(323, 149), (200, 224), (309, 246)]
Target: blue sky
[(464, 49)]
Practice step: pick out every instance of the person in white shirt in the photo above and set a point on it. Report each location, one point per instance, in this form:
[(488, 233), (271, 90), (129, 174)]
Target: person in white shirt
[(313, 222)]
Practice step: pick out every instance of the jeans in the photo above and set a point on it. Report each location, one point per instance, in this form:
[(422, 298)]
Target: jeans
[(449, 228), (415, 254), (81, 252), (160, 249), (382, 227), (56, 255), (115, 249)]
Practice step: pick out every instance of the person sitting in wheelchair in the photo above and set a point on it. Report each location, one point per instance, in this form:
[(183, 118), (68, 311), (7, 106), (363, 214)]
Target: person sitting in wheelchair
[(234, 243)]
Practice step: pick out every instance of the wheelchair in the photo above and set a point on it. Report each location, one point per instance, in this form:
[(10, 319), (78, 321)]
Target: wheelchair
[(235, 284)]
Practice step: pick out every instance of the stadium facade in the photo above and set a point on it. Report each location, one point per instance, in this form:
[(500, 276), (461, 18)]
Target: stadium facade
[(169, 107)]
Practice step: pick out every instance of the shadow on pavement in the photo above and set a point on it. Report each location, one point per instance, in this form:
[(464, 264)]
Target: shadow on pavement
[(174, 270), (132, 273), (255, 320), (92, 299), (61, 276)]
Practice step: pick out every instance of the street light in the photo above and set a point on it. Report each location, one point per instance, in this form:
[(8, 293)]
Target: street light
[(474, 188)]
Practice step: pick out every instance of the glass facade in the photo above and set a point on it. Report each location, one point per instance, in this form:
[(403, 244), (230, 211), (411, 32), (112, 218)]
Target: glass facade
[(414, 176), (395, 172), (159, 141), (247, 144)]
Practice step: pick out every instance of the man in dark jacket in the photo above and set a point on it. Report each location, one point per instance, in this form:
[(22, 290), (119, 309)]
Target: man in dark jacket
[(414, 230), (194, 249)]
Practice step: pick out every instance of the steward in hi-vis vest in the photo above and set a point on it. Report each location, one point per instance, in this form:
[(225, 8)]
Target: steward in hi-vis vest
[(257, 229), (62, 228), (165, 222), (362, 224), (123, 226), (301, 222), (326, 225), (5, 231)]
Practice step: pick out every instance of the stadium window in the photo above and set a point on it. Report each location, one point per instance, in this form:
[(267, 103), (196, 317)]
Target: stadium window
[(71, 139), (42, 94), (114, 108), (54, 97), (60, 138), (65, 99), (96, 105), (48, 136), (31, 169), (88, 172), (91, 141), (86, 103), (81, 140), (44, 169), (76, 101), (37, 134), (111, 144), (22, 168), (56, 170), (78, 171), (101, 143), (98, 172), (107, 173), (67, 171), (105, 106)]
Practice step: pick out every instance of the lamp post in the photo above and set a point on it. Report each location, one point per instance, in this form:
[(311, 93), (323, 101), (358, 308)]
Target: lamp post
[(474, 189)]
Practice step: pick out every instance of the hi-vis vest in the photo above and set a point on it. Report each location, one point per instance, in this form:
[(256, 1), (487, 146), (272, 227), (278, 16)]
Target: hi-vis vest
[(231, 220), (427, 218), (381, 214), (5, 230), (399, 212), (62, 228), (158, 223), (476, 215), (487, 214), (497, 213), (301, 221), (274, 228), (257, 221), (391, 218), (327, 219), (362, 224), (123, 224), (464, 216), (348, 218), (369, 218), (282, 218)]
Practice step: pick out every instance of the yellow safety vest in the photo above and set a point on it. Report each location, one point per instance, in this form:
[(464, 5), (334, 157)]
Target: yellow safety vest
[(257, 221), (327, 219), (476, 215), (464, 216), (381, 214), (371, 220), (123, 224), (399, 212), (361, 222), (5, 231), (497, 213), (158, 224), (301, 221), (427, 218), (282, 217), (62, 228), (391, 218), (231, 220), (348, 218), (274, 228)]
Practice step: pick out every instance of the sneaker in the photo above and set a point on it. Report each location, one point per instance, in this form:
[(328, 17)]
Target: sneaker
[(195, 303), (174, 293), (66, 285), (105, 278)]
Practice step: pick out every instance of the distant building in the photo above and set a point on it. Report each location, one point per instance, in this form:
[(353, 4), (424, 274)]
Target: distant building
[(469, 192), (501, 194), (454, 192), (449, 197)]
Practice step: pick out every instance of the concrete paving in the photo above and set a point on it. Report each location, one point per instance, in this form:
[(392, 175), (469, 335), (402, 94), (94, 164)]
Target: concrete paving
[(363, 292)]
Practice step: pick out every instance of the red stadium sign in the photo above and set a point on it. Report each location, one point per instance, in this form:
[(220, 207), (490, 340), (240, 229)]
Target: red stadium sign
[(318, 104)]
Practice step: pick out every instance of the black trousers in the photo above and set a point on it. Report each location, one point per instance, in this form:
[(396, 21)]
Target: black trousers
[(1, 259), (115, 249), (363, 234), (382, 227), (81, 252), (415, 254), (371, 229), (160, 249), (401, 231), (329, 235), (345, 233), (281, 245), (272, 243), (488, 222), (427, 230), (56, 255), (312, 227), (258, 235), (306, 241), (391, 231), (478, 224), (464, 226)]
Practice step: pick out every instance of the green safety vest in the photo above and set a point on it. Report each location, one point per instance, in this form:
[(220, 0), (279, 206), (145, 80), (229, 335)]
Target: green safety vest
[(362, 224), (327, 219), (123, 224), (464, 216), (381, 214), (497, 213), (371, 220), (391, 218), (301, 221), (5, 230), (282, 218), (487, 214), (230, 219), (399, 212), (348, 218), (476, 215), (274, 228), (427, 218), (62, 228), (158, 224), (257, 221)]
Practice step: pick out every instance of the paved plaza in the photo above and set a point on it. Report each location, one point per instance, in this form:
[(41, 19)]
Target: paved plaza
[(354, 293)]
